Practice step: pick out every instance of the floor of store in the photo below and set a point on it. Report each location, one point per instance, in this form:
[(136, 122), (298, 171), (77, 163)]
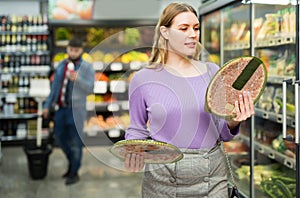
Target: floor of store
[(99, 176)]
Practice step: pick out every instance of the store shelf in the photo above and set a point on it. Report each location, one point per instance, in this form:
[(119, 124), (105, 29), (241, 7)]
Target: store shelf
[(274, 117), (241, 45), (18, 53), (108, 106), (103, 137), (279, 79), (270, 152), (275, 41), (24, 33), (114, 86), (18, 116), (103, 23), (117, 66)]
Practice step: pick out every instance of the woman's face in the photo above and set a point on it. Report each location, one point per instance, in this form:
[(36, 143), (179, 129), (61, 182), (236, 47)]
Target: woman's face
[(183, 34)]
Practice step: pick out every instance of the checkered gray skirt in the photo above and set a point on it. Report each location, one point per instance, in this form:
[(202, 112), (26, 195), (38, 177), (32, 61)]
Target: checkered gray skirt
[(201, 173)]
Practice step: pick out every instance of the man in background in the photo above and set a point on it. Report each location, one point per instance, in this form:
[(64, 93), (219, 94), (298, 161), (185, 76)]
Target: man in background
[(73, 81)]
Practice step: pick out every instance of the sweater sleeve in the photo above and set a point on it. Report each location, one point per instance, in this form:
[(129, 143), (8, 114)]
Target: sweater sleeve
[(227, 134), (137, 111)]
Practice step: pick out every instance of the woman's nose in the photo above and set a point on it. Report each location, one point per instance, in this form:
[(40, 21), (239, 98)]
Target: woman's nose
[(192, 32)]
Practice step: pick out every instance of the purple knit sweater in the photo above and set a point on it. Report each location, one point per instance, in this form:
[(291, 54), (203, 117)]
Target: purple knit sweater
[(174, 107)]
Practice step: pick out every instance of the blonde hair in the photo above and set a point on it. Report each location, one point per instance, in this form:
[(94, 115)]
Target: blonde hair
[(159, 49)]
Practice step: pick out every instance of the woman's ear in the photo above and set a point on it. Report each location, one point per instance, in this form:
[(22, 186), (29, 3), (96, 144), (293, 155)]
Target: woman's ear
[(164, 32)]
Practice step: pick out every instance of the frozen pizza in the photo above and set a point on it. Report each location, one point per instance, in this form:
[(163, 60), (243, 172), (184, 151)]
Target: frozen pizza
[(152, 151), (241, 74)]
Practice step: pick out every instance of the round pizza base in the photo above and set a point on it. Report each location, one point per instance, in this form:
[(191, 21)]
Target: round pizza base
[(154, 152), (221, 95)]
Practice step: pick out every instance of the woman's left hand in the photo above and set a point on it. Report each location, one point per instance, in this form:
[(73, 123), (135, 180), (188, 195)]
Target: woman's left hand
[(244, 108)]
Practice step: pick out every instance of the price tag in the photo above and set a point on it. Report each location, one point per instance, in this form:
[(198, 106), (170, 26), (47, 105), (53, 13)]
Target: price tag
[(125, 105), (100, 87), (261, 150), (113, 107), (279, 118), (98, 65), (271, 155), (135, 65), (114, 133), (265, 115), (288, 163), (90, 106), (116, 66), (117, 86)]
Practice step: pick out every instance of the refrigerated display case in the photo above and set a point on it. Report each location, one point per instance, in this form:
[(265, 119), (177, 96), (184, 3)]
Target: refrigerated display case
[(236, 29), (210, 30), (265, 155)]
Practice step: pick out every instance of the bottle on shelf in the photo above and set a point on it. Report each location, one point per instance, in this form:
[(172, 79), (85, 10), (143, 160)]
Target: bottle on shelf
[(19, 24), (8, 24), (25, 23), (11, 64), (5, 64), (14, 23)]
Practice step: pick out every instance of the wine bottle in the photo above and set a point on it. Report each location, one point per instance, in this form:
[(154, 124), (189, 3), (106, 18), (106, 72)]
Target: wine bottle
[(3, 22), (13, 45), (19, 24), (21, 85), (14, 23), (6, 64), (7, 43), (21, 106), (30, 23), (33, 44), (23, 43), (12, 64), (17, 64), (28, 46), (8, 24), (25, 24)]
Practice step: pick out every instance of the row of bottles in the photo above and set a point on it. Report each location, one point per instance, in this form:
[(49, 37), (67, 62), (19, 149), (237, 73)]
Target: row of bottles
[(28, 23), (20, 63), (11, 105), (17, 83), (23, 43), (18, 128)]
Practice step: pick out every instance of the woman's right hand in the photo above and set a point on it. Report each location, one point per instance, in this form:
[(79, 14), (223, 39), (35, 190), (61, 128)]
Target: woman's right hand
[(134, 162)]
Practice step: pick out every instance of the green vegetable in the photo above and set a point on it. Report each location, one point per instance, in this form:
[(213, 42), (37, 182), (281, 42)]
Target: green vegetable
[(62, 34), (284, 189), (288, 180)]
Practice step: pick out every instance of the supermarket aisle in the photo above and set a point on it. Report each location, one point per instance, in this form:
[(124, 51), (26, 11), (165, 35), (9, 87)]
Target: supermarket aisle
[(97, 180)]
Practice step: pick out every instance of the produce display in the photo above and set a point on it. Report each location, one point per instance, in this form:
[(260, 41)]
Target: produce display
[(272, 179), (152, 151), (237, 32), (278, 63), (271, 101), (280, 23), (100, 123), (236, 76)]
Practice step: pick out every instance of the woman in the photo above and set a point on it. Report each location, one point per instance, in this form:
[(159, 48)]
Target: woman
[(167, 102)]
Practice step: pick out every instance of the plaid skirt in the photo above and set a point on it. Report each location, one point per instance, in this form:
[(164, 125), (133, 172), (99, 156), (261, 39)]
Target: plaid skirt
[(201, 173)]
